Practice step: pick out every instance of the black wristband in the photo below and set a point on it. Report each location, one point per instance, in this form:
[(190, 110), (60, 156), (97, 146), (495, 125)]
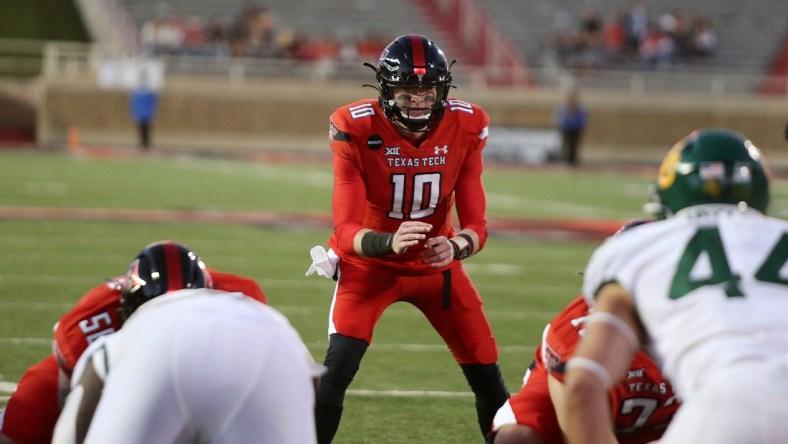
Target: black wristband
[(374, 244)]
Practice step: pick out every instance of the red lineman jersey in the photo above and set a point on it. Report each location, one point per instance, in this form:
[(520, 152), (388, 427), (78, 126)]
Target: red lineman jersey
[(381, 179), (96, 314), (32, 410), (641, 405)]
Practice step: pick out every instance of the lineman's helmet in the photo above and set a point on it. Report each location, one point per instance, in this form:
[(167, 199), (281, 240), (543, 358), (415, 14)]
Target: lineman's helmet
[(159, 268), (711, 166)]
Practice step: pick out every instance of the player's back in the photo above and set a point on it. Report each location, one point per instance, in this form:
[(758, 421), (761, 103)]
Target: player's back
[(209, 363), (707, 286)]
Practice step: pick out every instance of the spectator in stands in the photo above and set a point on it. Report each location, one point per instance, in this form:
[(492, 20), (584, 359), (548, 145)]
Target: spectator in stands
[(171, 35), (656, 48), (194, 38), (674, 23), (560, 39), (614, 35), (261, 32), (217, 38), (143, 102), (636, 24), (571, 118), (703, 37), (150, 35), (590, 48)]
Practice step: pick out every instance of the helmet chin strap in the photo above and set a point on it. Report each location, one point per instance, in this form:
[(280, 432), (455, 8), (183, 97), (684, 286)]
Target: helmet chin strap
[(656, 210), (406, 118)]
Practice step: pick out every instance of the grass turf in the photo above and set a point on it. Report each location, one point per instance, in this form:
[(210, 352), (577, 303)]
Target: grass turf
[(409, 389)]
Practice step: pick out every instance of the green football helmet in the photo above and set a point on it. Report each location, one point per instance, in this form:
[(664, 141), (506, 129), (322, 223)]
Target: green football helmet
[(710, 166)]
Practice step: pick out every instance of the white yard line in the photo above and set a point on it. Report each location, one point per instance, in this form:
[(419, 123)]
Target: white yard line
[(26, 341), (9, 387), (410, 393)]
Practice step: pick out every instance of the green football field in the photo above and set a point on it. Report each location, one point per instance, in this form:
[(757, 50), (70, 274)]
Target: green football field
[(68, 222)]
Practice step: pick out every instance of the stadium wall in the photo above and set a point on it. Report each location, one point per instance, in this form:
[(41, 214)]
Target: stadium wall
[(208, 114)]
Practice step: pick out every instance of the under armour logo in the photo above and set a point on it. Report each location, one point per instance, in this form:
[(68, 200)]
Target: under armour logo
[(442, 150)]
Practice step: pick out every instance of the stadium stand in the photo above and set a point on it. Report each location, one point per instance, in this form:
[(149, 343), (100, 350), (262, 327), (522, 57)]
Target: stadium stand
[(216, 102), (340, 19), (747, 38), (750, 33)]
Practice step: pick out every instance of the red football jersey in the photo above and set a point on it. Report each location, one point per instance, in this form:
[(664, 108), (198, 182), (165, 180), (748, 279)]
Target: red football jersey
[(381, 179), (642, 404), (96, 314)]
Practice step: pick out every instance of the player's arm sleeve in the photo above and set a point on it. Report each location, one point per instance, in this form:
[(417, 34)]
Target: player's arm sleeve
[(600, 361), (600, 270), (471, 199), (78, 410), (349, 203)]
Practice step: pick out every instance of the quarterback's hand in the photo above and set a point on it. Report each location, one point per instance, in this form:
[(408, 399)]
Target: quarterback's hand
[(408, 234), (439, 252)]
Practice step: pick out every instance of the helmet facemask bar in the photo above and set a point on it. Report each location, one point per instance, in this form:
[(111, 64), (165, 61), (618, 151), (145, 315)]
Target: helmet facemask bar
[(419, 118)]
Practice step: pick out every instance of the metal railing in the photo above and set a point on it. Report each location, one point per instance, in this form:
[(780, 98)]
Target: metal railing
[(20, 57), (65, 60)]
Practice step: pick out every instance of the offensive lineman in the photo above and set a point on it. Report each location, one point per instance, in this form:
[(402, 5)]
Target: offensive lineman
[(33, 409), (191, 364)]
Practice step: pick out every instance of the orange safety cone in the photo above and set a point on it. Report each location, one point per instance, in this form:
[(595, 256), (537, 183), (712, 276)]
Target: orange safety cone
[(73, 139)]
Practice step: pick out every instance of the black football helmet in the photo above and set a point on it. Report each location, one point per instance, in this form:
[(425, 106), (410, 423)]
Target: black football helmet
[(413, 61), (161, 267)]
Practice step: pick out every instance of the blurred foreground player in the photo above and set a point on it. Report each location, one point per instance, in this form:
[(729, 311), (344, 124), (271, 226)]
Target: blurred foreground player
[(641, 405), (705, 289), (31, 412), (190, 364)]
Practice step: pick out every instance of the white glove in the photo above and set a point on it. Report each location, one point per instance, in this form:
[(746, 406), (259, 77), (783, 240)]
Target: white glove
[(323, 262)]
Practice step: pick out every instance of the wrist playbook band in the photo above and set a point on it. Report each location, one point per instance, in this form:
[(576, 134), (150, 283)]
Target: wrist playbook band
[(462, 246)]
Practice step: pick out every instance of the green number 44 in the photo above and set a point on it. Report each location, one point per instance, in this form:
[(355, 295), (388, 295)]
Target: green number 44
[(708, 241)]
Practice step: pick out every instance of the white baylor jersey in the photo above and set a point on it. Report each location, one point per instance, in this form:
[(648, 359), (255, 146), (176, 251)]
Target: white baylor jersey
[(203, 365), (710, 285)]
